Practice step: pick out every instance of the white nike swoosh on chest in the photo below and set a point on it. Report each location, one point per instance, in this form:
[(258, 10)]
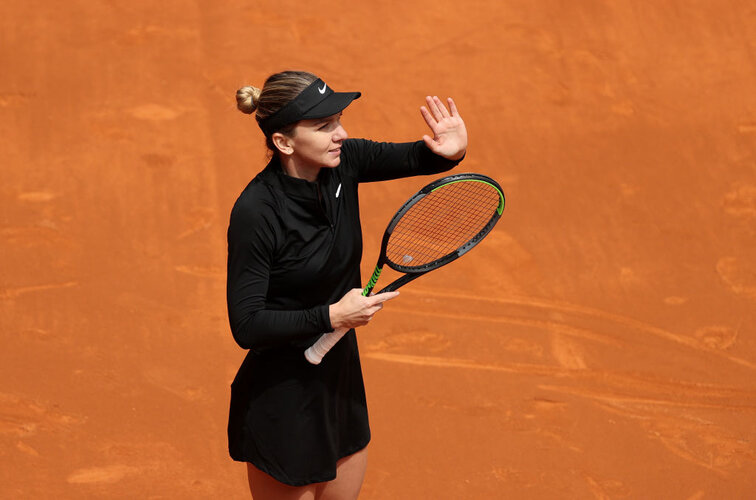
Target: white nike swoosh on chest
[(338, 190)]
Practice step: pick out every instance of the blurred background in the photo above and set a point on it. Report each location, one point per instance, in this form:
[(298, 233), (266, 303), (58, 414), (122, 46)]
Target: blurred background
[(600, 344)]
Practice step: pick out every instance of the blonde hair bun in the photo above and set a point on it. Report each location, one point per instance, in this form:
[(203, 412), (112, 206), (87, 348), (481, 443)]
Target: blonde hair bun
[(247, 99)]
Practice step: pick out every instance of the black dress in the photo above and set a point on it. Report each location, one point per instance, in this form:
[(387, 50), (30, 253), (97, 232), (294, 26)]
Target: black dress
[(294, 247)]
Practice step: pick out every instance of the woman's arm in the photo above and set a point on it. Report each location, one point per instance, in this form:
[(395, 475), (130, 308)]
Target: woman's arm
[(380, 161), (252, 237)]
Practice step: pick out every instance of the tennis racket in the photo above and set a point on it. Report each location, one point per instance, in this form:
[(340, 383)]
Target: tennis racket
[(439, 224)]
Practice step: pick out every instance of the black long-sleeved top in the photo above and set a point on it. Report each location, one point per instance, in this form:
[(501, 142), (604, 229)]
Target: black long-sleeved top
[(294, 248)]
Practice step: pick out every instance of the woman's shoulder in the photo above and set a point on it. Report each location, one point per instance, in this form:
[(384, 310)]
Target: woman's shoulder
[(256, 202), (357, 152), (356, 146)]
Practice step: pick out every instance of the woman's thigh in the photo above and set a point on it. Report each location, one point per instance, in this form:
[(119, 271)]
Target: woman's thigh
[(264, 487), (350, 472)]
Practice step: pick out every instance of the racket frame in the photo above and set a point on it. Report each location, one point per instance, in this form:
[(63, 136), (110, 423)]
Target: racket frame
[(441, 261)]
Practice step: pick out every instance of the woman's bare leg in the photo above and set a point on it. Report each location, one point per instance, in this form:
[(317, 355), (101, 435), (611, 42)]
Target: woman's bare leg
[(350, 472), (264, 487)]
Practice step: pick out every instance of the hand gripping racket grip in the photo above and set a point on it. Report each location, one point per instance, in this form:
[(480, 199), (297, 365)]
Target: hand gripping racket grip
[(320, 348), (316, 351)]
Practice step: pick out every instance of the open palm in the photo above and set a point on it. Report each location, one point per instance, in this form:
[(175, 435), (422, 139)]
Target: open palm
[(449, 133)]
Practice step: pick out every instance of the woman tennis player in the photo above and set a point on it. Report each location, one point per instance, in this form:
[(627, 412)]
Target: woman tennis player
[(294, 249)]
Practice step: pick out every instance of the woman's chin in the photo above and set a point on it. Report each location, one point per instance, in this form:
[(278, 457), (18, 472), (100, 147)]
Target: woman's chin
[(333, 160)]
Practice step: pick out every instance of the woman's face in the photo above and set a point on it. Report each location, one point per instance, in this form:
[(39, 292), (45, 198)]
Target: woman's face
[(316, 143)]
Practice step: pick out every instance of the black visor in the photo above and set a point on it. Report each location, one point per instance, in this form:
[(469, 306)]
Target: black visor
[(318, 100)]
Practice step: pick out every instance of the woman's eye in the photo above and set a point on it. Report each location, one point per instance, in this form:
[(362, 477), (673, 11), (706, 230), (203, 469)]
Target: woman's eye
[(330, 125)]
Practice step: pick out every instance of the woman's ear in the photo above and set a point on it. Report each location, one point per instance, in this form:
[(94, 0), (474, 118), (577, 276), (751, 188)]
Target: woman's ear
[(282, 143)]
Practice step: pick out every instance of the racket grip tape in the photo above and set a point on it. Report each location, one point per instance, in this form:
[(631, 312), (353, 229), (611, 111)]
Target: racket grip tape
[(320, 348)]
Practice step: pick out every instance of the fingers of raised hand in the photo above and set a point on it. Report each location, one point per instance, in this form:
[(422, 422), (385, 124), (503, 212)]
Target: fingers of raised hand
[(453, 108), (437, 108), (428, 117)]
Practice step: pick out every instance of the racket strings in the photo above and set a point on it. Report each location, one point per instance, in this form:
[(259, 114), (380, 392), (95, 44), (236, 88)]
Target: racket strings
[(441, 222)]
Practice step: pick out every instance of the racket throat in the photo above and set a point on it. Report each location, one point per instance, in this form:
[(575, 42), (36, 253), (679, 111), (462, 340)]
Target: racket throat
[(373, 280)]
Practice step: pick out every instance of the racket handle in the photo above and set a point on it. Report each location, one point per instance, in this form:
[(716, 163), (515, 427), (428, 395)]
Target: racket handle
[(316, 351)]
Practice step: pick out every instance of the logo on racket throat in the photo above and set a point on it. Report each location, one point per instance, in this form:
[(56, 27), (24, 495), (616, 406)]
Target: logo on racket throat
[(373, 280)]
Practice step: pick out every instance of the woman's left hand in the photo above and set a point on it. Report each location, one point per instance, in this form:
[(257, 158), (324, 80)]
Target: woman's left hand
[(449, 133)]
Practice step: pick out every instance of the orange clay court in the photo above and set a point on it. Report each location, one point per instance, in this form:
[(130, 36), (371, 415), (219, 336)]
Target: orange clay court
[(599, 344)]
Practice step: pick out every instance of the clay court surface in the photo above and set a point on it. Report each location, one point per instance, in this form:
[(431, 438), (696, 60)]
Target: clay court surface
[(601, 344)]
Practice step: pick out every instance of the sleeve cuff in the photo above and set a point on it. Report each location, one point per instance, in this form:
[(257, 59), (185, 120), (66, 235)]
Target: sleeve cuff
[(324, 317), (439, 163)]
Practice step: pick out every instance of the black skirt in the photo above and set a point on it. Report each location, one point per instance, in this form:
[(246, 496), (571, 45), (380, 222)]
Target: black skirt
[(293, 420)]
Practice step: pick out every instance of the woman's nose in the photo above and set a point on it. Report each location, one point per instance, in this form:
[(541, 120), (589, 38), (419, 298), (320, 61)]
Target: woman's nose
[(340, 133)]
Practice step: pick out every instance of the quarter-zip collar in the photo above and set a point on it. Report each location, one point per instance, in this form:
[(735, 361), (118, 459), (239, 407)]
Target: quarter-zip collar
[(291, 186), (301, 191)]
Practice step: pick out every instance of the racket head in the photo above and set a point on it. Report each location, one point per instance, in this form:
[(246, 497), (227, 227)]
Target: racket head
[(442, 222)]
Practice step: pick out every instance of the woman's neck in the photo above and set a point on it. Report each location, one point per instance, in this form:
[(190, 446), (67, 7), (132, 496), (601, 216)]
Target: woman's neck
[(306, 172)]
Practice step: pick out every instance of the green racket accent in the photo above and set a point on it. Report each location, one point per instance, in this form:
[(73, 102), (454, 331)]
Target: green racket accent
[(499, 209), (373, 281)]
